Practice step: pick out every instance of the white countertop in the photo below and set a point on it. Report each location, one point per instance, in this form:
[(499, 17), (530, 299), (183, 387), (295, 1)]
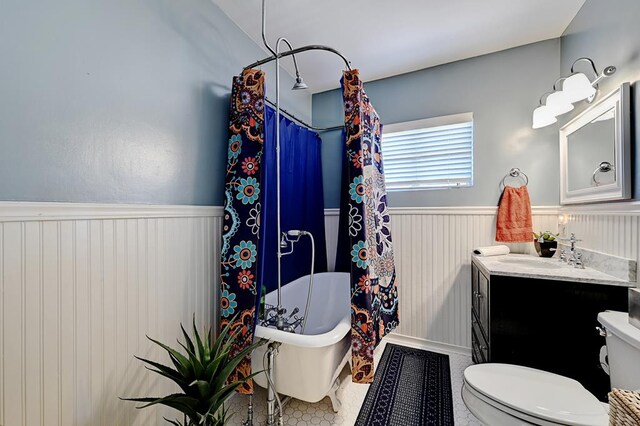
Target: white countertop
[(527, 266)]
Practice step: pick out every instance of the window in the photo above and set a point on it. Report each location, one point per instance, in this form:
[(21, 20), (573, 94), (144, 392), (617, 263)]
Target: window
[(435, 153)]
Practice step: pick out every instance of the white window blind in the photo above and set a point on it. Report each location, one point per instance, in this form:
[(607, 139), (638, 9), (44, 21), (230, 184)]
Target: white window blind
[(429, 154)]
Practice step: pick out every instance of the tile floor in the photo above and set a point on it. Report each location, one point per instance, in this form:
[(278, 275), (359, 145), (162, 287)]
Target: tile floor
[(300, 413)]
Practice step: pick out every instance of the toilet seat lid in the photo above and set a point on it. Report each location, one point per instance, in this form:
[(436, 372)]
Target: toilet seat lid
[(537, 393)]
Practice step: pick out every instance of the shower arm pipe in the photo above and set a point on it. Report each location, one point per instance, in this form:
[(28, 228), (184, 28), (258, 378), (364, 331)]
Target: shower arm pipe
[(276, 56)]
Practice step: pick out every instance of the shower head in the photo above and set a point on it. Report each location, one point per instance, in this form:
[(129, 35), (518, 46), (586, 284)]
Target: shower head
[(300, 84)]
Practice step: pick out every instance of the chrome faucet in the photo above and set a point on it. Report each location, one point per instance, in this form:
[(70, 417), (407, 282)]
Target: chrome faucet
[(574, 258), (563, 255), (274, 317)]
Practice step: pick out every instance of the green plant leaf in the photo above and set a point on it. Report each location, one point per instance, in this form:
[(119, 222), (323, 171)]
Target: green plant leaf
[(223, 334), (221, 355), (183, 385), (187, 339), (204, 388), (198, 340), (183, 403), (233, 363), (220, 397), (167, 371), (173, 422), (207, 341), (181, 362), (212, 368), (196, 365), (229, 340)]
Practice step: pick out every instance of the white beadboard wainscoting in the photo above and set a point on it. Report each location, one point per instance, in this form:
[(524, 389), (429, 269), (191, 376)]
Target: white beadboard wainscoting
[(432, 248), (80, 287), (612, 228)]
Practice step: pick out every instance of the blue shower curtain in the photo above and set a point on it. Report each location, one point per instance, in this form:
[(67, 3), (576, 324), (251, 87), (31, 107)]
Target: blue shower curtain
[(301, 201)]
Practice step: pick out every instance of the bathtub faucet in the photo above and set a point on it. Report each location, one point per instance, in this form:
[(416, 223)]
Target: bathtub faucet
[(289, 238), (276, 318)]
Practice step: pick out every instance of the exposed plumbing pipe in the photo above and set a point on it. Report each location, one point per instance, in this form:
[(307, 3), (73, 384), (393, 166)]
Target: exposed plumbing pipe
[(264, 27), (298, 234), (310, 291), (249, 420), (279, 229), (266, 44), (272, 395)]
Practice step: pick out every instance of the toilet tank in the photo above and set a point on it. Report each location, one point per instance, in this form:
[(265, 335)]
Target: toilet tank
[(623, 348)]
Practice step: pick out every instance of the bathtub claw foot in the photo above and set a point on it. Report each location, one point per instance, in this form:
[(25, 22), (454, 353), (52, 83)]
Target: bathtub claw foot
[(333, 396)]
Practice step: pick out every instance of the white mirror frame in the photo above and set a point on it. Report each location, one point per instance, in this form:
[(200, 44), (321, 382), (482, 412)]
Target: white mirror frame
[(621, 188)]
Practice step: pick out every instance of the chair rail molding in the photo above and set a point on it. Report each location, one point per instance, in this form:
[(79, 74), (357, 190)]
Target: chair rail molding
[(458, 210), (18, 211)]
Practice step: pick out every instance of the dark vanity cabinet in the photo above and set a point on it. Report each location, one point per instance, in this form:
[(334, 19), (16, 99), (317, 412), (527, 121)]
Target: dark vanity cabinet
[(541, 323)]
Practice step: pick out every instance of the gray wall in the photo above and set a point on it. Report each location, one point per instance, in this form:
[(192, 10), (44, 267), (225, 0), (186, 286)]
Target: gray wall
[(501, 89), (609, 33), (119, 100)]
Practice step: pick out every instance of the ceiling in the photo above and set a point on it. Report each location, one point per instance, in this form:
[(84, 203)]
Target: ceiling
[(385, 38)]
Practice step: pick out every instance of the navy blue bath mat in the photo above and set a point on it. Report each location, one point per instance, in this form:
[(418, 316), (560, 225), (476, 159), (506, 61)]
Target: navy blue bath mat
[(411, 387)]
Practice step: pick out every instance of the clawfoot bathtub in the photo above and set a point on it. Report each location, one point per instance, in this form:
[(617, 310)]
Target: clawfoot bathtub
[(307, 365)]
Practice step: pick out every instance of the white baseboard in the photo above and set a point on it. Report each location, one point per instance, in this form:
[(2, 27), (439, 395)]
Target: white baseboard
[(416, 342)]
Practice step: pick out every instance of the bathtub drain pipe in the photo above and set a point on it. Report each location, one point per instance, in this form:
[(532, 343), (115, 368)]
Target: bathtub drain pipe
[(272, 394)]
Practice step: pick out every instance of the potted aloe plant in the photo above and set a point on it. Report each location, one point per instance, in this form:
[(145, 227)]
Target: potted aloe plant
[(202, 375), (546, 243)]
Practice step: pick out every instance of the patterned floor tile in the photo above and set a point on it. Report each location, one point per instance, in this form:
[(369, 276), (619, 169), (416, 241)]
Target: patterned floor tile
[(300, 413)]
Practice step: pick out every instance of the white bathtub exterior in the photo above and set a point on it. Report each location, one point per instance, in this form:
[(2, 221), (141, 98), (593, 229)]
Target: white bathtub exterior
[(308, 365)]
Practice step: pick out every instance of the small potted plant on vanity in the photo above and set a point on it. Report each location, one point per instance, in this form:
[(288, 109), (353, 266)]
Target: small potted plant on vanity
[(546, 243)]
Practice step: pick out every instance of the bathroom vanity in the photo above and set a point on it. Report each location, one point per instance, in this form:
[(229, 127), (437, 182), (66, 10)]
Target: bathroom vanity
[(542, 313)]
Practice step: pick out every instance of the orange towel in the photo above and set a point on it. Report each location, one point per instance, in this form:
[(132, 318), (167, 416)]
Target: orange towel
[(514, 224)]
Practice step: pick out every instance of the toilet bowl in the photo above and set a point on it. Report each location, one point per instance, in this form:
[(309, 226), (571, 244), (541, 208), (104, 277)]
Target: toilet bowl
[(509, 395)]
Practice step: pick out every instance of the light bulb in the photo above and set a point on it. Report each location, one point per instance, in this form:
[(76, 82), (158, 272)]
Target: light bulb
[(542, 117), (577, 87), (558, 103)]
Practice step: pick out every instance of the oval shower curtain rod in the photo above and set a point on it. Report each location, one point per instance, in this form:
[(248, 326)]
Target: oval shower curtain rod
[(292, 52), (299, 50), (294, 118)]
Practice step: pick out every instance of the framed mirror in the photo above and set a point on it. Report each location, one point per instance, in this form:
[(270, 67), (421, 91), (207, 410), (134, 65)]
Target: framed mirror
[(595, 158)]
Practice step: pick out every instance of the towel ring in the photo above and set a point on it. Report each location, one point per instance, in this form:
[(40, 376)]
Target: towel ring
[(603, 167), (515, 173)]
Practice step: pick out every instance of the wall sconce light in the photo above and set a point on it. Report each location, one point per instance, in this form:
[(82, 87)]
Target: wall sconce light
[(575, 88)]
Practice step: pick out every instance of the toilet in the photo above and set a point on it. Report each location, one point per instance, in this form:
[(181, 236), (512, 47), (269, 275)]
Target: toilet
[(509, 395)]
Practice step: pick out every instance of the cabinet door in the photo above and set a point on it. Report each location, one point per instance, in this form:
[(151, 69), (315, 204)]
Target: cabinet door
[(474, 287), (479, 343), (482, 303)]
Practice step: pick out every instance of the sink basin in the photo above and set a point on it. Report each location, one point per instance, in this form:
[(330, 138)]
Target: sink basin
[(531, 263)]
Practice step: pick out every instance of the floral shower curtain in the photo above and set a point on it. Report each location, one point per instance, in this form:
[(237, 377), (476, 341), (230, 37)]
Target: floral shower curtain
[(239, 287), (367, 243)]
